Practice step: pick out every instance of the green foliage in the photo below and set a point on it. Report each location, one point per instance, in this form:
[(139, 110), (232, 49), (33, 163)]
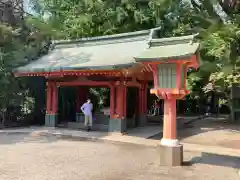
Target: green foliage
[(216, 21), (220, 45), (102, 95), (11, 55), (18, 46), (75, 19), (223, 45)]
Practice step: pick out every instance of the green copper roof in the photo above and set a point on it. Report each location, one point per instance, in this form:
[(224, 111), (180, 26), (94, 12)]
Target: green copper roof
[(169, 48), (111, 52), (105, 52)]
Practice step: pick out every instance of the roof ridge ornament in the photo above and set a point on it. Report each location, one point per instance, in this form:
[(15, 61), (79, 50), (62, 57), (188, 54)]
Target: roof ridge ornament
[(152, 34), (170, 48), (187, 39)]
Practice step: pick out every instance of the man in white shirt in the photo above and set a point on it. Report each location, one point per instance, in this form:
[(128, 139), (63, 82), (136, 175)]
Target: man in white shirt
[(87, 111)]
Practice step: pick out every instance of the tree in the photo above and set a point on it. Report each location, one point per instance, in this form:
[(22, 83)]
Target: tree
[(18, 45), (220, 46), (11, 55), (216, 21), (75, 19)]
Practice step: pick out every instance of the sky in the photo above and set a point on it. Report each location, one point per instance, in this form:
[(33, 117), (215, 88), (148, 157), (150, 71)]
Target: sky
[(26, 6)]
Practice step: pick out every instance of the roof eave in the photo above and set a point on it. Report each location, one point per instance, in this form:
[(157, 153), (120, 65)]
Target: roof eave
[(169, 58), (18, 73)]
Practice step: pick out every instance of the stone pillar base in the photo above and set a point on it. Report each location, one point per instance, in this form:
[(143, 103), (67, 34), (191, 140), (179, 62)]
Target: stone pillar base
[(117, 125), (51, 120), (171, 155), (79, 117), (142, 120)]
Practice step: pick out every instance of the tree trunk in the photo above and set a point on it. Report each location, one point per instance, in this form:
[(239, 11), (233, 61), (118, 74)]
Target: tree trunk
[(3, 116), (231, 108)]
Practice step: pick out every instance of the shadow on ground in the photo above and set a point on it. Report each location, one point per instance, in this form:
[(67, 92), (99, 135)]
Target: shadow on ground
[(45, 135), (20, 137), (216, 160), (209, 131)]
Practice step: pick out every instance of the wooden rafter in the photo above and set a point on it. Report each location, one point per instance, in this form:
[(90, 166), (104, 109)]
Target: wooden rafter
[(72, 73)]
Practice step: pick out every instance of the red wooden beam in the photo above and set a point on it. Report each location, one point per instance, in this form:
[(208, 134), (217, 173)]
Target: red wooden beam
[(97, 83), (84, 83)]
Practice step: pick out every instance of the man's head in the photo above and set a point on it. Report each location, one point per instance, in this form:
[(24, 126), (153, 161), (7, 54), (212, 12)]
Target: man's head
[(88, 100)]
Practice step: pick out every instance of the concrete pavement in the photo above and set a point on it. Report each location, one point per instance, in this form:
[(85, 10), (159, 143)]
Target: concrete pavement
[(137, 138)]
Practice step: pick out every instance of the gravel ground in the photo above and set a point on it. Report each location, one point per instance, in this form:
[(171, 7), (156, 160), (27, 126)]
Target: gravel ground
[(49, 158), (210, 133)]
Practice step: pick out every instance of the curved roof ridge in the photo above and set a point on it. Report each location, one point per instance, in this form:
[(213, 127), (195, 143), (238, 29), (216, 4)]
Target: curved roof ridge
[(108, 38), (172, 40)]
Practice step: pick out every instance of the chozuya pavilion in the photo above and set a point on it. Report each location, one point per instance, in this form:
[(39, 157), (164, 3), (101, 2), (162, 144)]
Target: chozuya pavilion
[(121, 62)]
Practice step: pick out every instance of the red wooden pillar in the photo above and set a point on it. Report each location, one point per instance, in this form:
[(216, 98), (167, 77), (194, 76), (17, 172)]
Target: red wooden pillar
[(121, 101), (145, 95), (169, 125), (143, 98), (81, 97), (52, 98), (84, 95), (124, 101), (52, 104), (143, 104), (117, 123)]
